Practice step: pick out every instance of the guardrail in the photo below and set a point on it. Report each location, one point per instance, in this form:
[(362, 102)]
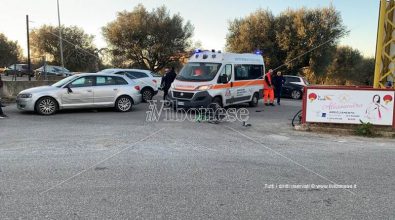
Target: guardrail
[(11, 89)]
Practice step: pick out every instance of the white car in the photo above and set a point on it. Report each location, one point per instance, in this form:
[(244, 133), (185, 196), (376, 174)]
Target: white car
[(146, 79)]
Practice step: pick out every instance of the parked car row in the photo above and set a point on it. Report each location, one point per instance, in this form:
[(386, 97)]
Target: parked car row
[(200, 83), (48, 70), (118, 88)]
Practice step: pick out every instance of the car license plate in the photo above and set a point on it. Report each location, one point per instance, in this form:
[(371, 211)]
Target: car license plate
[(180, 103)]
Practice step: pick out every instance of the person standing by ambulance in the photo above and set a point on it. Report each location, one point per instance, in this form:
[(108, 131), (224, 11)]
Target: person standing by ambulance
[(268, 91), (167, 80), (278, 82)]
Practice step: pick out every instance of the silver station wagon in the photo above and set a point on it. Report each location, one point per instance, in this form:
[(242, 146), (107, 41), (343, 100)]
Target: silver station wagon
[(88, 90)]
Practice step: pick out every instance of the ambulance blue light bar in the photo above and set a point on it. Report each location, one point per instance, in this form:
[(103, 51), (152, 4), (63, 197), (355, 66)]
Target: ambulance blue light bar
[(258, 52)]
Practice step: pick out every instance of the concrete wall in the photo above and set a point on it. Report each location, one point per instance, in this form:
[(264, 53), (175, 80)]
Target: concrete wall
[(11, 88)]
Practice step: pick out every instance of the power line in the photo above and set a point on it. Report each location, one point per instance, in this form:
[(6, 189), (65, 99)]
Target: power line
[(76, 46)]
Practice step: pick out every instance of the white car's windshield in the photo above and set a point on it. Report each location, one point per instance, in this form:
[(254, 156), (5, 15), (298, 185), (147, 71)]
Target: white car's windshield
[(64, 81), (199, 71)]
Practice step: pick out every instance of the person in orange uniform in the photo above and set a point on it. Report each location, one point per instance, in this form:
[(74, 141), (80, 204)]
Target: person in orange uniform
[(268, 91)]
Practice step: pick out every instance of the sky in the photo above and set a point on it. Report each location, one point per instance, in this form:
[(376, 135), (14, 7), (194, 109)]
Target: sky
[(210, 18)]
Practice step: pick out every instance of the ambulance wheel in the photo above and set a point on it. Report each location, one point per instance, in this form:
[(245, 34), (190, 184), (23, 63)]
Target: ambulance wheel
[(167, 103), (214, 106), (217, 101), (254, 101)]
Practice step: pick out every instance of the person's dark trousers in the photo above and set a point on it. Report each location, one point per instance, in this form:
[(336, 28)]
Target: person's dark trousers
[(165, 92), (278, 94), (1, 110)]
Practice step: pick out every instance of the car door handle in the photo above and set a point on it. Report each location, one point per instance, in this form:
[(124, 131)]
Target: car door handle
[(115, 89), (89, 90)]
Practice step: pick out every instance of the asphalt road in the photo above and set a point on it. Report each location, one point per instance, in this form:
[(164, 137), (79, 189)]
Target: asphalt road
[(102, 164)]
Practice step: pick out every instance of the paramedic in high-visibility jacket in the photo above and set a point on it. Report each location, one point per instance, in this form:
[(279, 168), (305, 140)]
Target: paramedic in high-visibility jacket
[(268, 92)]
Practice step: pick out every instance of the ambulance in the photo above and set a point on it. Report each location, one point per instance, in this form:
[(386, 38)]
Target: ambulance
[(221, 78)]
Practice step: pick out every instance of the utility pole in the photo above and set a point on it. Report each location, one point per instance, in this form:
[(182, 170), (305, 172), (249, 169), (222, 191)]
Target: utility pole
[(29, 67), (60, 39)]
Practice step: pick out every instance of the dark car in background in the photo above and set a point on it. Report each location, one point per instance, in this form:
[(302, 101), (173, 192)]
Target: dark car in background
[(52, 71), (293, 86), (17, 69)]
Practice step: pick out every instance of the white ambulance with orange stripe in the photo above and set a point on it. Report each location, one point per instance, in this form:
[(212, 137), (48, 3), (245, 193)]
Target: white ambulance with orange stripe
[(222, 78)]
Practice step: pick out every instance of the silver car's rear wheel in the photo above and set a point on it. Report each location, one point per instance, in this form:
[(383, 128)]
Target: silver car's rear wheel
[(123, 104), (46, 106)]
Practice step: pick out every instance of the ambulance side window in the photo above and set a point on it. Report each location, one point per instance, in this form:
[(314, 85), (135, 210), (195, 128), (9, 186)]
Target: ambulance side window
[(227, 70), (248, 72)]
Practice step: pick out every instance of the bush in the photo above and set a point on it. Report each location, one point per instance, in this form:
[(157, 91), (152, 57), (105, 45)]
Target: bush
[(365, 129)]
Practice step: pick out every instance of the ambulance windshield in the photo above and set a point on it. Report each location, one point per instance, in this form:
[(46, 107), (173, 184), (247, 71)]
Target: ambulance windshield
[(199, 71)]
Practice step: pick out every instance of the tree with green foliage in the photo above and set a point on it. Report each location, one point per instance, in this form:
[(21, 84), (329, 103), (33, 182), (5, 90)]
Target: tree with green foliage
[(146, 39), (349, 67), (80, 54), (255, 32), (344, 67), (295, 39), (10, 51), (309, 37), (366, 71)]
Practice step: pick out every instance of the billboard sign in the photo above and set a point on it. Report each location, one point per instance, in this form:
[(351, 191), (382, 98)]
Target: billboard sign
[(348, 106)]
